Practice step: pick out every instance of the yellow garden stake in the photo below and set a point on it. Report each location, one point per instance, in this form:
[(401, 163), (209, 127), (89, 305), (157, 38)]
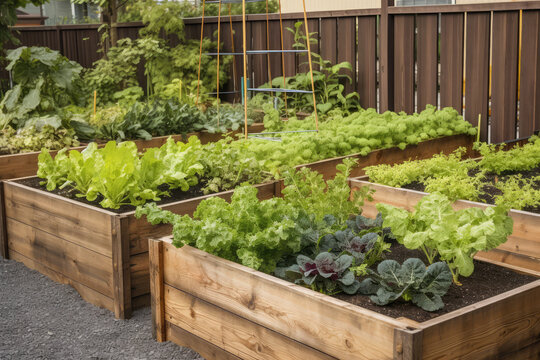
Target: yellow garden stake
[(95, 101), (478, 132), (180, 91)]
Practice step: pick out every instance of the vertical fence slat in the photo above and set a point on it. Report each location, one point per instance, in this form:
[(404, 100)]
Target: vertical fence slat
[(275, 44), (404, 63), (477, 70), (346, 49), (227, 47), (529, 94), (366, 79), (328, 43), (302, 60), (288, 41), (451, 81), (504, 76), (386, 57), (427, 63), (259, 62)]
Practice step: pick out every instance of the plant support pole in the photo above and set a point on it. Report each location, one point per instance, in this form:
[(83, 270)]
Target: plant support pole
[(245, 66), (95, 102), (200, 56), (311, 67)]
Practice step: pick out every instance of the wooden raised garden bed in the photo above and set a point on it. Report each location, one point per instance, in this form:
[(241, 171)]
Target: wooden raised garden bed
[(102, 254), (521, 250), (224, 310), (26, 164), (422, 150)]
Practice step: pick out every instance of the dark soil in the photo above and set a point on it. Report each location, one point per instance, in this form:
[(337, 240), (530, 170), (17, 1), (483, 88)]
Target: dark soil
[(175, 194), (489, 191), (487, 280)]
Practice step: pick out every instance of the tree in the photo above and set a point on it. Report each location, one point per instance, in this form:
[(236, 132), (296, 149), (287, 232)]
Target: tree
[(109, 16), (8, 18)]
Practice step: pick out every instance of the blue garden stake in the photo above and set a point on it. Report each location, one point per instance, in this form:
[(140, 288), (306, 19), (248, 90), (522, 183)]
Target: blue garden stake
[(242, 88)]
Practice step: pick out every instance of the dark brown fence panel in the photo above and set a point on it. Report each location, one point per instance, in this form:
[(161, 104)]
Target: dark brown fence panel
[(328, 42), (346, 49), (504, 75), (427, 63), (259, 62), (451, 81), (477, 70), (227, 41), (81, 45), (529, 95), (404, 63), (288, 41), (366, 79), (302, 60)]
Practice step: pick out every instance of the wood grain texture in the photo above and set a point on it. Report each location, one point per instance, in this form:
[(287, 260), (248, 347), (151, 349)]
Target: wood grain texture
[(504, 76), (328, 35), (404, 63), (366, 79), (3, 234), (451, 81), (386, 57), (258, 63), (206, 349), (346, 50), (231, 332), (156, 284), (339, 329), (20, 165), (80, 264), (408, 344), (88, 294), (67, 219), (529, 94), (477, 70), (121, 268), (427, 43), (499, 326), (524, 240)]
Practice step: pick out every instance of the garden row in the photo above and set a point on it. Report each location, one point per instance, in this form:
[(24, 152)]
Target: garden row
[(285, 227)]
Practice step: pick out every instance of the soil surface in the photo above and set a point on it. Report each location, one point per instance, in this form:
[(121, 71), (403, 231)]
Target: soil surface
[(41, 319), (487, 280), (175, 194), (488, 188)]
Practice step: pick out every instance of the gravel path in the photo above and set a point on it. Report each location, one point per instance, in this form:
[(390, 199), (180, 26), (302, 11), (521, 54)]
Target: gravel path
[(41, 319)]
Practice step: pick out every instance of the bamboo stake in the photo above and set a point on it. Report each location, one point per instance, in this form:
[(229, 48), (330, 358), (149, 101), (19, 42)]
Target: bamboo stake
[(200, 55), (478, 131), (311, 68)]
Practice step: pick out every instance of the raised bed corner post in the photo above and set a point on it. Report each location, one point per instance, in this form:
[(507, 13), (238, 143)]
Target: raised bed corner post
[(386, 58), (121, 268), (407, 344), (155, 248), (3, 233)]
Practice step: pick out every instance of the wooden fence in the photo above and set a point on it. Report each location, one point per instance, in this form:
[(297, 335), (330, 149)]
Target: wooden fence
[(403, 57)]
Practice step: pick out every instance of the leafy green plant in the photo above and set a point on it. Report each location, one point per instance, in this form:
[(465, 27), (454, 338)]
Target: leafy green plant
[(32, 138), (358, 133), (452, 236), (327, 273), (496, 160), (45, 81), (519, 193), (117, 175), (411, 281)]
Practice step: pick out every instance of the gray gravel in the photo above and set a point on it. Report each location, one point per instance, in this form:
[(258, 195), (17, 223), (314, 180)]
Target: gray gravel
[(41, 319)]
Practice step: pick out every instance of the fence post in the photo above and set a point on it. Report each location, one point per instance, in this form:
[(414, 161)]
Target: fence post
[(386, 58)]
